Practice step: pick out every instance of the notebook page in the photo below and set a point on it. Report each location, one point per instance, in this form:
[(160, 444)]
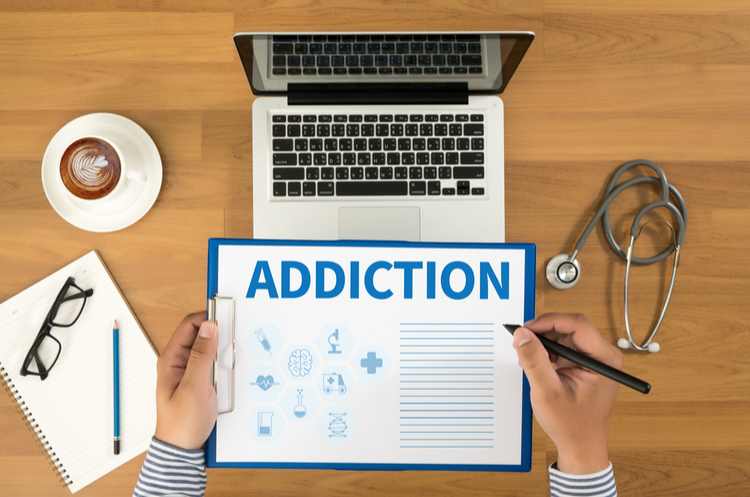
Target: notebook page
[(74, 405)]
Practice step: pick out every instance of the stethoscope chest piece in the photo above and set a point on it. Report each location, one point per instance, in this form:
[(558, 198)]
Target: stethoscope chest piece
[(562, 273)]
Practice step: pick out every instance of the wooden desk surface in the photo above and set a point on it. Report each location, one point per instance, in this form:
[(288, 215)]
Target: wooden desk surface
[(603, 83)]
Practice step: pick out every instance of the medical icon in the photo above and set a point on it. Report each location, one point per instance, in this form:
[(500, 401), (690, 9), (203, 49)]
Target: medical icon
[(371, 363), (263, 340), (265, 424), (333, 382), (337, 425), (300, 411), (300, 363), (264, 382), (335, 343)]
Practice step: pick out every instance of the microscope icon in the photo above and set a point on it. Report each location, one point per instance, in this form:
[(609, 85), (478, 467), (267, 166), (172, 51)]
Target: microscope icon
[(333, 341)]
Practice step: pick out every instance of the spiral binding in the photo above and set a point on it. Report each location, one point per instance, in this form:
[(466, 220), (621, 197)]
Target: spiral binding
[(23, 409)]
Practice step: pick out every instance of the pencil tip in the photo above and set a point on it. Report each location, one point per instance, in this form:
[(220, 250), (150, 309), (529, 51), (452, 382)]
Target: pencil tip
[(117, 325)]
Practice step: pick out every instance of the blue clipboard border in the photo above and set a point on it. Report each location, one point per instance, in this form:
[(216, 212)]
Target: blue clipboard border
[(529, 312)]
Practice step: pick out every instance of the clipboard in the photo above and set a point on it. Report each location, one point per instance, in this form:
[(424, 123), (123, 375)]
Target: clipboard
[(367, 355)]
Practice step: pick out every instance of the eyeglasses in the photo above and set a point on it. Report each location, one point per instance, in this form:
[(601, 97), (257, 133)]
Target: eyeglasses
[(65, 311)]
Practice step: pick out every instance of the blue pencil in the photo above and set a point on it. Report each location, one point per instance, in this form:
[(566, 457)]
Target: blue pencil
[(116, 362)]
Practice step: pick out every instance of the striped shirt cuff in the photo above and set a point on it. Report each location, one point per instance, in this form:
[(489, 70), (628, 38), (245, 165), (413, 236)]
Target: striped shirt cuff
[(172, 471), (601, 484)]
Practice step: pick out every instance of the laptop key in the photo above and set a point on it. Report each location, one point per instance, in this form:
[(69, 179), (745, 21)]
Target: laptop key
[(342, 173), (417, 188), (385, 70), (449, 191), (473, 129), (305, 159), (278, 129), (279, 189), (433, 188), (472, 158), (309, 71), (308, 189), (284, 159), (475, 70), (326, 173), (300, 144), (339, 71), (339, 118), (294, 188), (430, 70), (288, 173), (468, 172), (371, 173), (389, 144), (279, 60), (319, 159), (400, 70), (312, 173), (283, 145), (325, 189), (477, 191), (372, 188), (283, 48), (357, 172), (460, 70)]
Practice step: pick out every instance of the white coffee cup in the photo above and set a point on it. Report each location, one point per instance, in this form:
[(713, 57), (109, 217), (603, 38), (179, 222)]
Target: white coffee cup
[(93, 168)]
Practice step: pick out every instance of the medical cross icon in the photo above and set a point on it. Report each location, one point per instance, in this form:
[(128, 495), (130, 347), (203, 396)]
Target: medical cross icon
[(372, 362)]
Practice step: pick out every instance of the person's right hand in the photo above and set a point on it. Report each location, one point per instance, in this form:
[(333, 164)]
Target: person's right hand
[(572, 404)]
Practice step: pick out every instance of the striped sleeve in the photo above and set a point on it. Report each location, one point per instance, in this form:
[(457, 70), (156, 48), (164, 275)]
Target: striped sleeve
[(601, 484), (172, 471)]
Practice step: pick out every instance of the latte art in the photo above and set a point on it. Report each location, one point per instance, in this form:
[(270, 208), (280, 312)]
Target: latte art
[(90, 168)]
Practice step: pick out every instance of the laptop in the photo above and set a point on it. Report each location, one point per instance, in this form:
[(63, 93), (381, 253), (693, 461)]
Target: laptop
[(379, 136)]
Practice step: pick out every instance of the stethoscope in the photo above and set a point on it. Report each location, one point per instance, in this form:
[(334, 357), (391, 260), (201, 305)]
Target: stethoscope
[(563, 271)]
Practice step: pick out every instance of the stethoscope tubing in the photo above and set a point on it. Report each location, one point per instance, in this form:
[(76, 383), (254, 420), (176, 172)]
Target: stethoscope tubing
[(613, 191)]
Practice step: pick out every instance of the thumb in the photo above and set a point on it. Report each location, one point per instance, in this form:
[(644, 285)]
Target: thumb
[(202, 355), (534, 359)]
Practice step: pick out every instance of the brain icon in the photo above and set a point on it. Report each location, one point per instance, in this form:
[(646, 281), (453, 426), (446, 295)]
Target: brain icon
[(300, 362)]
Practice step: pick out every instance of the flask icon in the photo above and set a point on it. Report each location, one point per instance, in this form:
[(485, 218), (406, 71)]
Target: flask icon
[(300, 411)]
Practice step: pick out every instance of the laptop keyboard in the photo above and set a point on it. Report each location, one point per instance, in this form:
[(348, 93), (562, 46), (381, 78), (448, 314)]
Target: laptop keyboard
[(384, 55), (364, 155)]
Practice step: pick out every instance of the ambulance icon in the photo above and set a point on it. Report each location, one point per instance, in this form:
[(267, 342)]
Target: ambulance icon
[(333, 382)]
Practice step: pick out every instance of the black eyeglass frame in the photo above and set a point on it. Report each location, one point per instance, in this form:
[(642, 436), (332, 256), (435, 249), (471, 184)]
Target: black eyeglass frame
[(48, 324)]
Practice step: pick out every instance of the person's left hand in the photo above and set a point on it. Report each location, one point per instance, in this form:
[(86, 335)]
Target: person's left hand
[(186, 405)]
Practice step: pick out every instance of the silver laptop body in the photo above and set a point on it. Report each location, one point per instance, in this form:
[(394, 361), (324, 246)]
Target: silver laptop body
[(391, 136)]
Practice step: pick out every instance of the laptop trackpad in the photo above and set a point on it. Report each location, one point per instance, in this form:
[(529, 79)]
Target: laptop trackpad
[(379, 223)]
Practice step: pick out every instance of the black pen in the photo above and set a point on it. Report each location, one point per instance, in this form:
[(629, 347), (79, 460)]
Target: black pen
[(589, 363)]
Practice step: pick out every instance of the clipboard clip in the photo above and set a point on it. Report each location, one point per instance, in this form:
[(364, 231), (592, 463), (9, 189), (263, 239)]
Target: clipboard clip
[(212, 316)]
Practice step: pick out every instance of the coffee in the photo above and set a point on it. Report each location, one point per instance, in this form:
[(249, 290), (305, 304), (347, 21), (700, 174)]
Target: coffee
[(90, 168)]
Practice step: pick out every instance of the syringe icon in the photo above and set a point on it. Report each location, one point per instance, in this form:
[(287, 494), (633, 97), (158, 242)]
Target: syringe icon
[(263, 340)]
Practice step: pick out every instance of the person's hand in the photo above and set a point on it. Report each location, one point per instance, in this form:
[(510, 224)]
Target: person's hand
[(186, 403), (571, 404)]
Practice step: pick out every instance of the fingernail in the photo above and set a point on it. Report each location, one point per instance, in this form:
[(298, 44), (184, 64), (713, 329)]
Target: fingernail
[(207, 329), (521, 336)]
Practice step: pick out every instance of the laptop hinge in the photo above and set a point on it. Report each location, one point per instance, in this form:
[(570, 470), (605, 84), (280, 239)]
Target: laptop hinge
[(377, 94)]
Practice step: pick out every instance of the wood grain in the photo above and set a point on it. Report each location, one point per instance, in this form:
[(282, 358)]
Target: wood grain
[(603, 83)]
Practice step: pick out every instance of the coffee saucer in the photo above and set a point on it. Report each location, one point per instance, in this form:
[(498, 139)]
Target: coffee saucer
[(105, 215)]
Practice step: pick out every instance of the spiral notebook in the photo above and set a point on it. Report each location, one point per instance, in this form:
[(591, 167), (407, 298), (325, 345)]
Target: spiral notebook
[(72, 410)]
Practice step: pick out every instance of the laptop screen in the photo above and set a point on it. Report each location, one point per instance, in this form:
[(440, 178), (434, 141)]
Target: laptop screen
[(473, 62)]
